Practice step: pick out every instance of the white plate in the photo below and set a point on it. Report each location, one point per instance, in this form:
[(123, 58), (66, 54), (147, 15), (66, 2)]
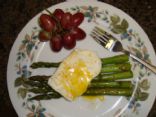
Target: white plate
[(27, 49)]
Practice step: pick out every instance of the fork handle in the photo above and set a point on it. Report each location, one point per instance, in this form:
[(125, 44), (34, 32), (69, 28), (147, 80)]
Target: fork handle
[(148, 65)]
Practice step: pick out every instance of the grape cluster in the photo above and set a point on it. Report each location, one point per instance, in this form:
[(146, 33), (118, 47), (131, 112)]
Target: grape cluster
[(61, 29)]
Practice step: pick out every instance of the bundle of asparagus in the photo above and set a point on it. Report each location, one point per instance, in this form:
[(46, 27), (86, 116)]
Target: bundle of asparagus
[(106, 83)]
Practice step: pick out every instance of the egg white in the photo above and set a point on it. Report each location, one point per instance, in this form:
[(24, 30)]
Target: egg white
[(92, 68)]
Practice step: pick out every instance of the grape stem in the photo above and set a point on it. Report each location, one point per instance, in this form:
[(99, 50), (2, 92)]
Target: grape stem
[(58, 23)]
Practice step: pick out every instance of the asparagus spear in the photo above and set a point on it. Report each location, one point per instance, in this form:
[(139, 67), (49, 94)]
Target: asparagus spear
[(115, 59), (39, 78), (89, 92), (33, 83), (113, 77), (44, 65), (112, 84), (36, 84), (105, 61), (116, 68), (41, 90), (109, 91), (46, 96)]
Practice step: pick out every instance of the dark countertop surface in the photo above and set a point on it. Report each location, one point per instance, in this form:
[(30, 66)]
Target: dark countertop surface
[(16, 13)]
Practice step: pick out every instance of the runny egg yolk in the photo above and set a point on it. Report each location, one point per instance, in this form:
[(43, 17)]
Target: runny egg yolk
[(76, 79), (93, 98)]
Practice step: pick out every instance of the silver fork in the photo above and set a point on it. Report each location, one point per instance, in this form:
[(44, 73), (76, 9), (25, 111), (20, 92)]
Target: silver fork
[(114, 45)]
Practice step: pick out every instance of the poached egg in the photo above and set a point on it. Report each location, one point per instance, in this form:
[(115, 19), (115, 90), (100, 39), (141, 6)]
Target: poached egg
[(74, 74)]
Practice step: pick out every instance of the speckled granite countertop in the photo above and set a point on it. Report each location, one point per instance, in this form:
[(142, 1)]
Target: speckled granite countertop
[(16, 13)]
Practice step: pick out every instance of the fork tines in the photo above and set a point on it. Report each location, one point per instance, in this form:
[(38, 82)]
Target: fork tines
[(100, 36)]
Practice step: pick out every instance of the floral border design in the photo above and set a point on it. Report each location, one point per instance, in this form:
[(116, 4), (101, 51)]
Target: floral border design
[(117, 25)]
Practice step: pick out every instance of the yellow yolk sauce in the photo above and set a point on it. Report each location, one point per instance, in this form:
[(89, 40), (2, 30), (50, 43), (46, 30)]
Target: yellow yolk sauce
[(76, 79), (93, 98)]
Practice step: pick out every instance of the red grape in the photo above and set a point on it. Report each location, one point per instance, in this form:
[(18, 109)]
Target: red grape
[(56, 43), (47, 23), (44, 36), (77, 19), (69, 41), (66, 20), (64, 27), (78, 33), (58, 13)]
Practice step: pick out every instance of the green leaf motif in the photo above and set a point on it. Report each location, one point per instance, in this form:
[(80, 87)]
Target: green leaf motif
[(35, 28), (106, 12), (117, 26), (23, 55), (115, 19), (77, 7), (19, 81), (27, 37), (149, 73), (87, 14), (19, 53), (22, 92), (142, 43), (35, 37), (139, 40), (23, 104), (139, 54), (91, 8), (146, 56), (142, 96), (89, 19), (137, 45), (18, 58), (97, 15), (141, 66), (141, 74), (33, 107), (25, 41), (73, 8), (42, 109), (29, 48), (104, 18), (124, 24), (144, 84), (118, 29)]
